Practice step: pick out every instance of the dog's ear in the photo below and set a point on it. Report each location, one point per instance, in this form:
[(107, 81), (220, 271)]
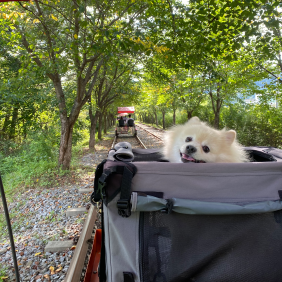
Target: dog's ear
[(230, 136), (194, 120)]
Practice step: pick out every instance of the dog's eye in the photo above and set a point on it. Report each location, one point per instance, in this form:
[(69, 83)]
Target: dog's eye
[(188, 139), (206, 149)]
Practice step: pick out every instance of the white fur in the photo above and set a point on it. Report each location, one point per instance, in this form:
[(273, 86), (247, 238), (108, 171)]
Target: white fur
[(223, 145)]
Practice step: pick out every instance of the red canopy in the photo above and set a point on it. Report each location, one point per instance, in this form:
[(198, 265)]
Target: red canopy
[(126, 110)]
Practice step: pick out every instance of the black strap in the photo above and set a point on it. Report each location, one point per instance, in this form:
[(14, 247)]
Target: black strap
[(123, 204), (128, 277), (100, 180), (96, 196), (101, 176)]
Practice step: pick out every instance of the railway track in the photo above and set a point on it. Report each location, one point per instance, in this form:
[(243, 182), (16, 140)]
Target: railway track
[(156, 132), (131, 139), (85, 244)]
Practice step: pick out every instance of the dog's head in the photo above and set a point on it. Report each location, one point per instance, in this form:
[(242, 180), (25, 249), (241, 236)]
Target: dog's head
[(196, 142)]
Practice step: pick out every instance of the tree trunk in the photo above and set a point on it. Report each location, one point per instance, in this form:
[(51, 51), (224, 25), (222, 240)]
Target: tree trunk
[(174, 119), (65, 151), (163, 119), (109, 121), (65, 144), (105, 124), (93, 120), (218, 107), (216, 119), (189, 114), (3, 134), (156, 118), (67, 124), (100, 126), (12, 131), (24, 130)]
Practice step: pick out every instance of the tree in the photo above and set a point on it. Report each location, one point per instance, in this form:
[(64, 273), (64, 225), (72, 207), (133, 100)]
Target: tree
[(21, 95), (115, 80), (70, 38), (265, 45), (225, 82)]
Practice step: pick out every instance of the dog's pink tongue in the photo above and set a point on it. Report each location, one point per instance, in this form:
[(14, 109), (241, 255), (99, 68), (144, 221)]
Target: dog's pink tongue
[(188, 158)]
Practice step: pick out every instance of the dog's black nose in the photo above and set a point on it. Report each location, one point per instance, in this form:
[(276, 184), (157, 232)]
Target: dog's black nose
[(191, 149)]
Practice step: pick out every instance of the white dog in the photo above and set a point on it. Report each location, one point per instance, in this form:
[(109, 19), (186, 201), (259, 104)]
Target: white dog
[(197, 142)]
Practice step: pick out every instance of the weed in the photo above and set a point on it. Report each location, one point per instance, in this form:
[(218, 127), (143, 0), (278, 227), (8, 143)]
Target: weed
[(54, 237), (80, 220), (3, 273), (45, 241)]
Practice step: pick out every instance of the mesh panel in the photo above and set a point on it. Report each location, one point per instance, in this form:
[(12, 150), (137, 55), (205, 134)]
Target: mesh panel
[(177, 247)]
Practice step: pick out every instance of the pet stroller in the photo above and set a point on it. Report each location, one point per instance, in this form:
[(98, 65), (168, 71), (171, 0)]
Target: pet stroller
[(170, 222)]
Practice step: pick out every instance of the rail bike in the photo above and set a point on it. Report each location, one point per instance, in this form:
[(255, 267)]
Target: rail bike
[(125, 122)]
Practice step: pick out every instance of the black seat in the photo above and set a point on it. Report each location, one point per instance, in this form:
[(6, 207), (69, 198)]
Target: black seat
[(130, 122), (121, 123)]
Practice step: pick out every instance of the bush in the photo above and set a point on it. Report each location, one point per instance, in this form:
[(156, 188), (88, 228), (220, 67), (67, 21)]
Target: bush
[(38, 155), (256, 125)]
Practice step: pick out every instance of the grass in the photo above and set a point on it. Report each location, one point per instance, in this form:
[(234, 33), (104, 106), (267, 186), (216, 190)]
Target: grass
[(35, 165), (3, 273)]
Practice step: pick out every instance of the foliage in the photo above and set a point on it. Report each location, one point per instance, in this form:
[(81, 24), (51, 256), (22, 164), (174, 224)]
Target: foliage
[(64, 62), (36, 157), (256, 125)]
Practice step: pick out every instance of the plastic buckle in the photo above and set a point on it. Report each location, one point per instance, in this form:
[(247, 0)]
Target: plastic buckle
[(168, 207), (124, 208), (92, 199)]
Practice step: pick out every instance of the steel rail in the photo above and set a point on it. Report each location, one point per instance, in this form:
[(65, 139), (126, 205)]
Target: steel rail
[(136, 137), (151, 133), (77, 262), (159, 129), (114, 142), (141, 143)]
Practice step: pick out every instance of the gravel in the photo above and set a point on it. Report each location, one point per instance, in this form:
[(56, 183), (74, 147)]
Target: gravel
[(40, 216)]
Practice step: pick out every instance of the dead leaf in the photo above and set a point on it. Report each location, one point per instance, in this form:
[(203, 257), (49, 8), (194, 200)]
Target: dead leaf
[(52, 270), (59, 269)]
